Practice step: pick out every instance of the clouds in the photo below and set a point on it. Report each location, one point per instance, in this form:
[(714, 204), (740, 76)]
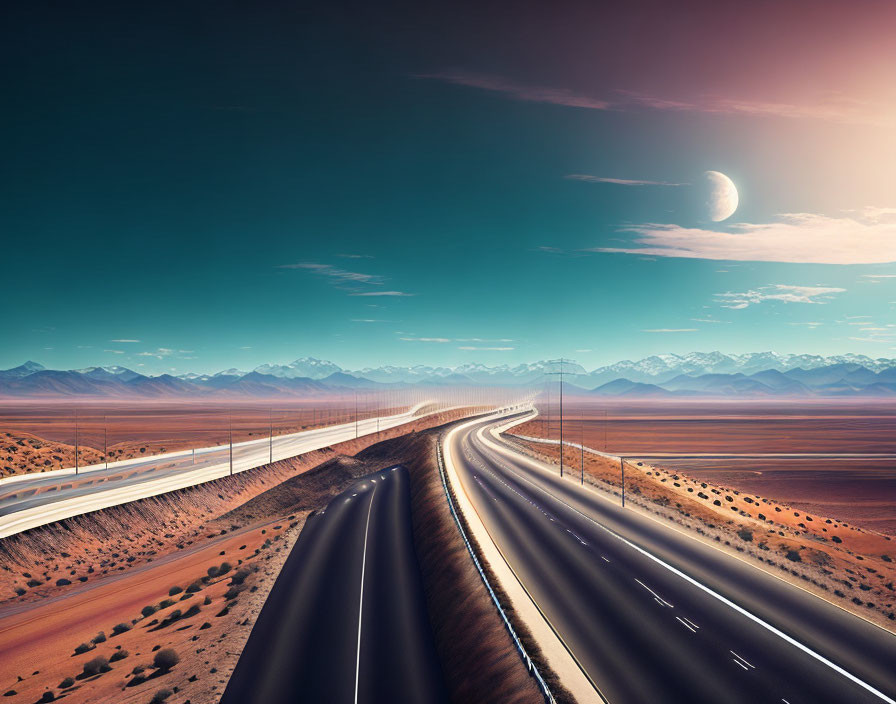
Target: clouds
[(801, 238), (828, 108), (337, 276), (165, 352), (785, 293), (355, 282), (520, 91), (382, 293), (486, 349), (618, 181), (466, 347), (670, 330), (124, 340)]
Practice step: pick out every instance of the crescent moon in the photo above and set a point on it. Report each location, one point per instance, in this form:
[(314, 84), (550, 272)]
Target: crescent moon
[(723, 198)]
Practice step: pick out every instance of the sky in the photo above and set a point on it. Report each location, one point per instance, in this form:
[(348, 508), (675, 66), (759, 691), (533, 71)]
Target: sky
[(199, 185)]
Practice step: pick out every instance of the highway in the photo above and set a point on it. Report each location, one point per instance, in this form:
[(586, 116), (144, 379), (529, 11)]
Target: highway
[(346, 621), (31, 500), (652, 615)]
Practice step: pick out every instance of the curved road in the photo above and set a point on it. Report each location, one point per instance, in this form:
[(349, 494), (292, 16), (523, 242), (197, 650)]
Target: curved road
[(346, 620), (652, 615)]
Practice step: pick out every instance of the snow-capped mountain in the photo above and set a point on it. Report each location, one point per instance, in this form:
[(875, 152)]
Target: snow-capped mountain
[(307, 367), (700, 373)]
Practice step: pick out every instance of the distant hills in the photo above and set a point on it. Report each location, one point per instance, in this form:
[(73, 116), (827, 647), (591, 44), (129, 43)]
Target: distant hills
[(698, 374)]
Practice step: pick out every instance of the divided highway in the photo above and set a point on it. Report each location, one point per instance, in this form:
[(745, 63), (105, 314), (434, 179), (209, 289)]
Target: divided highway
[(346, 620), (652, 615), (28, 501)]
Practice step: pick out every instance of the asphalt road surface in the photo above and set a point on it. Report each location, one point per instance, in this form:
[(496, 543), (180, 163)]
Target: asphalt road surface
[(346, 620), (652, 615), (27, 501)]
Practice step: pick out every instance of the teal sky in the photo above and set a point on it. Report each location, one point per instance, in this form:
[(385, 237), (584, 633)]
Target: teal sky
[(221, 186)]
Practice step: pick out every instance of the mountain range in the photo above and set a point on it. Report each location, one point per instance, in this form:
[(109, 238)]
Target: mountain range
[(698, 374)]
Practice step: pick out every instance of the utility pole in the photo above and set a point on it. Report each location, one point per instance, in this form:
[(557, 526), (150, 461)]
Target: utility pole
[(561, 362), (77, 446), (105, 443), (271, 421), (230, 428), (356, 414)]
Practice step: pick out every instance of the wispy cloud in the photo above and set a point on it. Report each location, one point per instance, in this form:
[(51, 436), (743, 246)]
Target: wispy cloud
[(337, 276), (165, 352), (520, 91), (802, 238), (426, 339), (124, 340), (455, 339), (670, 330), (355, 256), (382, 293), (829, 108), (785, 293), (619, 181), (708, 320), (369, 320), (114, 351), (486, 349)]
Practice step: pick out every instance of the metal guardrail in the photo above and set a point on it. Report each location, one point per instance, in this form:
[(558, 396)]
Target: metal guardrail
[(531, 666)]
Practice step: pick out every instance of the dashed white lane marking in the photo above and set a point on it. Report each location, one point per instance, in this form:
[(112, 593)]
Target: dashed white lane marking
[(742, 659), (604, 559), (656, 596), (691, 623), (686, 625), (739, 663)]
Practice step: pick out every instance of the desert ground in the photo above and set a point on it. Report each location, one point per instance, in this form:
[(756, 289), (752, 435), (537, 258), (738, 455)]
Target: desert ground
[(91, 609), (861, 492), (845, 563), (36, 436)]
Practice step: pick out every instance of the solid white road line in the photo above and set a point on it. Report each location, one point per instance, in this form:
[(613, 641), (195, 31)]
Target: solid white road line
[(361, 603)]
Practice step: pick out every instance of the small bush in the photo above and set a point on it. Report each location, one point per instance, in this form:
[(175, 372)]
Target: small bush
[(194, 587), (148, 611), (96, 666), (47, 696), (166, 603), (224, 568), (213, 571), (793, 556), (120, 628), (62, 583), (192, 611), (745, 534), (165, 659), (67, 682), (208, 600), (119, 655), (160, 696), (240, 576), (99, 638), (836, 539), (174, 590), (83, 648)]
